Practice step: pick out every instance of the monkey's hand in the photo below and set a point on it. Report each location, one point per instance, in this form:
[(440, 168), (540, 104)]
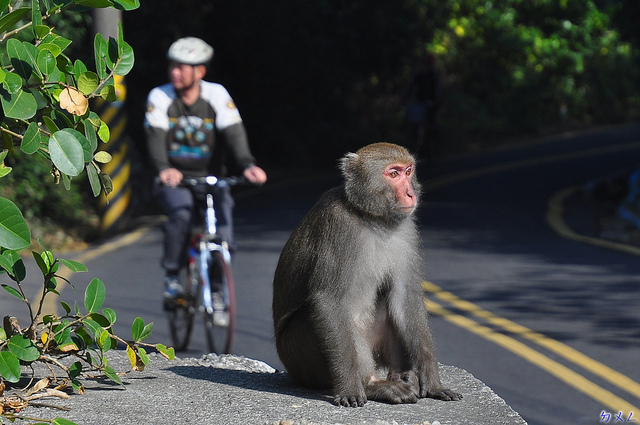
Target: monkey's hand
[(349, 400), (398, 388)]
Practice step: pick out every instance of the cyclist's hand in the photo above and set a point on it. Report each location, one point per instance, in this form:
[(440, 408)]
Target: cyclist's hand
[(255, 175), (170, 177)]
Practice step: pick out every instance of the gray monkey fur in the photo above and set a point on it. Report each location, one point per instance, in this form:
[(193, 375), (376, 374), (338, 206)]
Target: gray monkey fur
[(347, 296)]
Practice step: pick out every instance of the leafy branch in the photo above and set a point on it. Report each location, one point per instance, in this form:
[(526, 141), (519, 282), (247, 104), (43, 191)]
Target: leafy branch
[(44, 101), (85, 336)]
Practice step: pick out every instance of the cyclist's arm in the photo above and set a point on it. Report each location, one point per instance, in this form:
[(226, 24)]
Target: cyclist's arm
[(235, 137), (156, 125), (156, 146)]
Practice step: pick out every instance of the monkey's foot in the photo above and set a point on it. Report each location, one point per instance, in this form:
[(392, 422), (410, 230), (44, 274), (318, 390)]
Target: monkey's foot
[(444, 394), (349, 401)]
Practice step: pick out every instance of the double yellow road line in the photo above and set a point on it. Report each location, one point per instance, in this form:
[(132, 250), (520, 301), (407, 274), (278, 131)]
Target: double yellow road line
[(497, 329), (560, 371)]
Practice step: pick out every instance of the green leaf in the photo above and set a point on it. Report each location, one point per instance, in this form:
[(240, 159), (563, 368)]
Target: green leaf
[(90, 133), (62, 333), (66, 181), (140, 331), (101, 320), (74, 266), (169, 352), (67, 152), (9, 20), (146, 331), (36, 16), (111, 374), (75, 370), (59, 41), (6, 264), (84, 336), (62, 421), (11, 261), (87, 147), (9, 366), (88, 82), (108, 93), (20, 58), (94, 180), (20, 106), (13, 291), (41, 32), (103, 157), (93, 327), (100, 51), (110, 314), (14, 231), (46, 62), (126, 4), (94, 3), (47, 257), (103, 339), (66, 307), (50, 123), (32, 139), (42, 265), (94, 296), (136, 328), (125, 60), (12, 82), (23, 348), (103, 132), (79, 67), (143, 355)]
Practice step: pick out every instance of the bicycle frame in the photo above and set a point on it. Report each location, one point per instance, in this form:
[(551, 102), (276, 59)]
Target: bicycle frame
[(217, 305), (205, 246)]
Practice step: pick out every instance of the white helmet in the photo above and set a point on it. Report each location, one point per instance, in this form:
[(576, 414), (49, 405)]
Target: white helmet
[(191, 51)]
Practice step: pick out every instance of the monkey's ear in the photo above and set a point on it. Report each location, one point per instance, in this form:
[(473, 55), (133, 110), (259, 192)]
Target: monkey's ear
[(347, 163)]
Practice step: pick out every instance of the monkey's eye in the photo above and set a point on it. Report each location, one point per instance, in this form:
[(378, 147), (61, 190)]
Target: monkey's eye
[(393, 174), (409, 171)]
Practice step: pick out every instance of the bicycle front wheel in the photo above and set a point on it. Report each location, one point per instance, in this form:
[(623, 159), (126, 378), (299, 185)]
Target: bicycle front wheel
[(181, 311), (220, 321)]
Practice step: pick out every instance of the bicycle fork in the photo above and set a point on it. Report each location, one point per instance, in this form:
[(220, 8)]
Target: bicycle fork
[(206, 250)]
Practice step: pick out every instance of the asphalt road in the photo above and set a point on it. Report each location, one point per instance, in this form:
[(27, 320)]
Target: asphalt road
[(549, 323)]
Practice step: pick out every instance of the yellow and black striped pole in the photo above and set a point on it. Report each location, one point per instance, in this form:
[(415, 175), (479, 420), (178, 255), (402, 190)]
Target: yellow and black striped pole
[(115, 207)]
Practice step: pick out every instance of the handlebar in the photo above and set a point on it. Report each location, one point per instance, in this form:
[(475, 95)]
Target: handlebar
[(214, 181)]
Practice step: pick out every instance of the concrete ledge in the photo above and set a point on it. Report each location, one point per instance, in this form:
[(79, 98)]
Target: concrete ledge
[(236, 390)]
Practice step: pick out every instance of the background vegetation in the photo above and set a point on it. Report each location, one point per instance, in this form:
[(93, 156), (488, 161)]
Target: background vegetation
[(316, 78)]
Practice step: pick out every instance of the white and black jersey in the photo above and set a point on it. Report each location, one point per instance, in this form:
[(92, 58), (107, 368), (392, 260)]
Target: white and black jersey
[(184, 136)]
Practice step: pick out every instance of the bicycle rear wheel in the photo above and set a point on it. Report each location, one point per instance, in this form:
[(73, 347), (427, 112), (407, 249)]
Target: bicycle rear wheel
[(181, 312), (220, 322)]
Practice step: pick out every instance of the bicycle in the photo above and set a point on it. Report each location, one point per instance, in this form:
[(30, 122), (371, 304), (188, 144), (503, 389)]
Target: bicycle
[(207, 279)]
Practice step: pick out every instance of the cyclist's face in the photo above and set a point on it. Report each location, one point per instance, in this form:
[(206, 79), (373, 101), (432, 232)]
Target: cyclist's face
[(183, 76)]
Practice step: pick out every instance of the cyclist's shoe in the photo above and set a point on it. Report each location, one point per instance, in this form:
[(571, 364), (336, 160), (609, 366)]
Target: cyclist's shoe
[(220, 315), (172, 291)]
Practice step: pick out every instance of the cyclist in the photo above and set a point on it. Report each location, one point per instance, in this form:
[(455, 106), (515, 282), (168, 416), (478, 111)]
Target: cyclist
[(192, 126)]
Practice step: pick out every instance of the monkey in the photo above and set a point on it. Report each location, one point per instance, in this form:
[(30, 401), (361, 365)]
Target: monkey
[(347, 297)]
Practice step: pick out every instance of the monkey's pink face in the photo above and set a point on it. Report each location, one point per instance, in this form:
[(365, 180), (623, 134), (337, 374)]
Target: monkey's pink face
[(399, 177)]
